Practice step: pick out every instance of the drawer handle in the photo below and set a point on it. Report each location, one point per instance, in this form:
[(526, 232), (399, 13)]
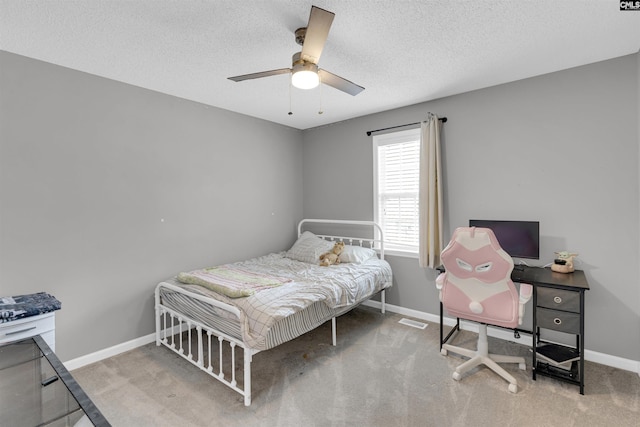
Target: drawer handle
[(557, 300), (20, 331), (49, 381), (557, 321)]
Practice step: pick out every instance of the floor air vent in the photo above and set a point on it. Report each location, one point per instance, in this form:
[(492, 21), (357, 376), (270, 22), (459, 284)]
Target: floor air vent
[(413, 323)]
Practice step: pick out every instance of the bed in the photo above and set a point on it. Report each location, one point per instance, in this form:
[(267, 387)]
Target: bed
[(206, 315)]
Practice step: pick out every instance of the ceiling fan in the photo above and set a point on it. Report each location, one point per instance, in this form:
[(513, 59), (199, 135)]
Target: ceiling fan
[(304, 71)]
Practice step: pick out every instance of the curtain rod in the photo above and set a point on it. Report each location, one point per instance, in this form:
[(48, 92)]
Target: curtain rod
[(369, 132)]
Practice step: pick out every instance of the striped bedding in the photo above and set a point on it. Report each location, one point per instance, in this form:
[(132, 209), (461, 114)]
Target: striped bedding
[(272, 316)]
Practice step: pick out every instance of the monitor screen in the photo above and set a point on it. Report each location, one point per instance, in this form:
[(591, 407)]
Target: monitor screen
[(520, 239)]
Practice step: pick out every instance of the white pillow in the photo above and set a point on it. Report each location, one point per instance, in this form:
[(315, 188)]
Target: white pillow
[(308, 248), (356, 254)]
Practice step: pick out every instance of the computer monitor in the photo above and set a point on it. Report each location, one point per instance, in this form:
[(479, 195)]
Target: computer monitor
[(520, 239)]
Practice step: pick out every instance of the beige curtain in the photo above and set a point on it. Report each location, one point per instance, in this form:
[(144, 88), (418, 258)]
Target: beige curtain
[(430, 193)]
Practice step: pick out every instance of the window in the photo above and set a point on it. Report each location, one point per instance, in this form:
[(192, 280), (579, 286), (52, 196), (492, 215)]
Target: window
[(396, 158)]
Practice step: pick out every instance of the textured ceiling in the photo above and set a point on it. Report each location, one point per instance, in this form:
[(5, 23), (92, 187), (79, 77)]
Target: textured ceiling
[(402, 52)]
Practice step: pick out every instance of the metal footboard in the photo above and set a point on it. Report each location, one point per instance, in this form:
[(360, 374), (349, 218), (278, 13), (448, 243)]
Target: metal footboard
[(204, 346), (213, 348)]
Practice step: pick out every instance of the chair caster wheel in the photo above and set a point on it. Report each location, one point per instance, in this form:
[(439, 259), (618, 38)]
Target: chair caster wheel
[(522, 366), (456, 376), (443, 352), (513, 388)]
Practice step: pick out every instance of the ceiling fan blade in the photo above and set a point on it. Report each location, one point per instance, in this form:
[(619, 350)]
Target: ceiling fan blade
[(339, 83), (260, 75), (317, 32)]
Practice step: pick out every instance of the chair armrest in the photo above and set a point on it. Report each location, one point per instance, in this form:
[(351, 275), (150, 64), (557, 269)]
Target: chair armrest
[(526, 291), (440, 284)]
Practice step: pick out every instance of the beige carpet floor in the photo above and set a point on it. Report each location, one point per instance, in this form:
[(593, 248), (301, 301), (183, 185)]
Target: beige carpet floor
[(381, 373)]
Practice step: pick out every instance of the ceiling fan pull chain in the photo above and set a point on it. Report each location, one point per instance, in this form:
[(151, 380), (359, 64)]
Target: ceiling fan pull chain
[(290, 112), (320, 112)]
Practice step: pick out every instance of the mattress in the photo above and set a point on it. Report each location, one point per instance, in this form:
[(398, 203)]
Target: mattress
[(270, 317)]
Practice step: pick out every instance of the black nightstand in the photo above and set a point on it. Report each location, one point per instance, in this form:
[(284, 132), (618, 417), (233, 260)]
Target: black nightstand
[(558, 302)]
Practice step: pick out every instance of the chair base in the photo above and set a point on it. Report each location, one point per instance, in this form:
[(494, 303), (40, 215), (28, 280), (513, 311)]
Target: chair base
[(482, 357)]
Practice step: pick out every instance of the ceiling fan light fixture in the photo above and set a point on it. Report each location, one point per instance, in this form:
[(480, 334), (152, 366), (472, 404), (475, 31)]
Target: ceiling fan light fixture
[(305, 76), (304, 71)]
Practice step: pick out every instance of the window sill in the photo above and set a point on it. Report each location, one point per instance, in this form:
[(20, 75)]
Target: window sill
[(404, 254)]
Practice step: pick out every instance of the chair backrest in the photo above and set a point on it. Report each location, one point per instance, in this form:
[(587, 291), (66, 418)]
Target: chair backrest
[(477, 283)]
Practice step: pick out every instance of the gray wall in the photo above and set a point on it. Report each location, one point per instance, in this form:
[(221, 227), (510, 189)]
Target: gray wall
[(90, 168), (560, 148)]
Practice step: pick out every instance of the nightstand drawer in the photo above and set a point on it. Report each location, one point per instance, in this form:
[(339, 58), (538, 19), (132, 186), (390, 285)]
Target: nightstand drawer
[(27, 327), (558, 299), (558, 320)]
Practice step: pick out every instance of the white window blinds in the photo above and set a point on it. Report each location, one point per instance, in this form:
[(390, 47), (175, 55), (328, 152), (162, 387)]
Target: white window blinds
[(397, 169)]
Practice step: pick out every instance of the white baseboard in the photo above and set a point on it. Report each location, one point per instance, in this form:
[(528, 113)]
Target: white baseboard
[(108, 352), (526, 339), (592, 356)]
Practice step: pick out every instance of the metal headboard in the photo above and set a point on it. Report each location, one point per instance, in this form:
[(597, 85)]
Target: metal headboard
[(376, 242)]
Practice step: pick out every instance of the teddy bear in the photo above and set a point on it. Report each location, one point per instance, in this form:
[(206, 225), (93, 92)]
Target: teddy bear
[(333, 257)]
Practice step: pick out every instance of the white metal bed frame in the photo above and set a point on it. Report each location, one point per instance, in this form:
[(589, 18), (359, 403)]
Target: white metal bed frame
[(171, 324)]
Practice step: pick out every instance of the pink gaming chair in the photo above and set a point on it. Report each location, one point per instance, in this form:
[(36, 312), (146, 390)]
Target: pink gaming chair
[(477, 286)]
